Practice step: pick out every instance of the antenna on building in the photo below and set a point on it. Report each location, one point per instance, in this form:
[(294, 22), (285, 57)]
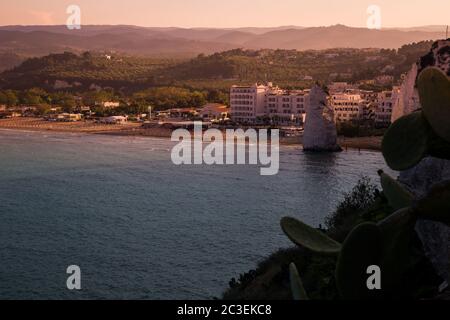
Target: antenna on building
[(446, 34)]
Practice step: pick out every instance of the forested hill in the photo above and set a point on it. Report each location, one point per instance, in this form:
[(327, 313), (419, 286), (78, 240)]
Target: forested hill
[(72, 72)]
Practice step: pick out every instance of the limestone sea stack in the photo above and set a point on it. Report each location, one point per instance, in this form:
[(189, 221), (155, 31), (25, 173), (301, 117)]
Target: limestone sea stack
[(320, 133)]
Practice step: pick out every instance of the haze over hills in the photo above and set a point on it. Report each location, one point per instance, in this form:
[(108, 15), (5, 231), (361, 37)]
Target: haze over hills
[(140, 40)]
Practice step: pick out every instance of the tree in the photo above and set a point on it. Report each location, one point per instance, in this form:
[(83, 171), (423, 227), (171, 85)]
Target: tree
[(30, 97), (9, 98), (65, 100)]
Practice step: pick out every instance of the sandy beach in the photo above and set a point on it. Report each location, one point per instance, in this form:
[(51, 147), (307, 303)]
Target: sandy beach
[(37, 124), (135, 129), (364, 143)]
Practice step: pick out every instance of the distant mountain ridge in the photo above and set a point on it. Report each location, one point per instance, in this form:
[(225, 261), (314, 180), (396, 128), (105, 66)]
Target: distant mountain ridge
[(41, 40)]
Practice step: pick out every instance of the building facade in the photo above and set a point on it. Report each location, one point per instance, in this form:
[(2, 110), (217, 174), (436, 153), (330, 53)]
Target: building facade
[(383, 113), (247, 103), (348, 107), (268, 104)]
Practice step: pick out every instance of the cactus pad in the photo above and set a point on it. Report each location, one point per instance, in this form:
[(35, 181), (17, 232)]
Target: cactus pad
[(397, 231), (361, 249), (434, 91), (438, 147), (436, 205), (298, 291), (405, 142), (396, 194), (308, 237)]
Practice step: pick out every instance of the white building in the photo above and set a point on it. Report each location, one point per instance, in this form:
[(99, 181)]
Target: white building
[(114, 120), (110, 104), (262, 104), (247, 103), (258, 103), (348, 107), (286, 107), (383, 113), (214, 111), (335, 87)]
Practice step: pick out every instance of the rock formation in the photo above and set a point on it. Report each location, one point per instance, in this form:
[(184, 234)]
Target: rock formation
[(320, 129), (434, 236), (407, 99)]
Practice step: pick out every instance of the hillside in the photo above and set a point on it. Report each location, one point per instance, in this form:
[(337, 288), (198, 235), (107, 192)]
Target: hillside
[(69, 71), (338, 36), (42, 40)]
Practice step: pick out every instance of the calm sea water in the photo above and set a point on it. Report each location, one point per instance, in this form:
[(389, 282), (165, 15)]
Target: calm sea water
[(140, 227)]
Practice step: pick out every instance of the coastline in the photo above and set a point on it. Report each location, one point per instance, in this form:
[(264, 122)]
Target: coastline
[(135, 129)]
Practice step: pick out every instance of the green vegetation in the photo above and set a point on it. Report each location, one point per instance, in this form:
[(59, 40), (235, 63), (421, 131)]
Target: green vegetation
[(160, 98), (361, 248), (298, 291), (405, 143), (8, 59), (168, 97), (434, 89), (396, 194), (354, 129), (208, 76), (306, 236)]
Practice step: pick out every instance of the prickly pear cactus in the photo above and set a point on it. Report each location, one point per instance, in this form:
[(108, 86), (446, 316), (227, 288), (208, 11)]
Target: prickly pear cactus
[(387, 244), (434, 91), (362, 249), (298, 291), (396, 194), (308, 237), (435, 205), (405, 143)]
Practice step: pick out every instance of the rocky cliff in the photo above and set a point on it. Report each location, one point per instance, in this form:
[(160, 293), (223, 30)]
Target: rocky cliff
[(407, 100)]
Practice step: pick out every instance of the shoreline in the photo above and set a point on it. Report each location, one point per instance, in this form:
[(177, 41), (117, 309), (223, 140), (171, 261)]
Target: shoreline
[(135, 129)]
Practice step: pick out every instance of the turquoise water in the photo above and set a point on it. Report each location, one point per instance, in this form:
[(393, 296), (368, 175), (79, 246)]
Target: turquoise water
[(140, 227)]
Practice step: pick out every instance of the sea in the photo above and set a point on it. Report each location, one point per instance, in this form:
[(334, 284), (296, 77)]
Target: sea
[(140, 227)]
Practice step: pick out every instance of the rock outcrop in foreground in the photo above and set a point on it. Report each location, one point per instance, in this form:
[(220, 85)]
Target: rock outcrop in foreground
[(435, 236), (320, 130)]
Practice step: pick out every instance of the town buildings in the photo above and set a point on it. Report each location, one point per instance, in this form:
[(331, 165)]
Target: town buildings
[(214, 111), (267, 104)]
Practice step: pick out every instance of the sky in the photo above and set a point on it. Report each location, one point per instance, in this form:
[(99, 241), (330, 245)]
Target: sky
[(229, 13)]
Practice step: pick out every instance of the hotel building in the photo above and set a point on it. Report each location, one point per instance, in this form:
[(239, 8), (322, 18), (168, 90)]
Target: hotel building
[(348, 107), (383, 113), (262, 104), (258, 103)]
